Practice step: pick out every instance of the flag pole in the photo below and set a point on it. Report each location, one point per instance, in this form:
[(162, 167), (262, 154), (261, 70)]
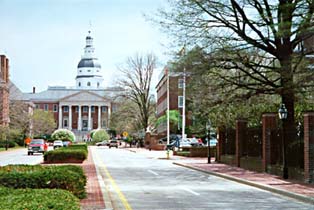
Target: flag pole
[(182, 53), (168, 108)]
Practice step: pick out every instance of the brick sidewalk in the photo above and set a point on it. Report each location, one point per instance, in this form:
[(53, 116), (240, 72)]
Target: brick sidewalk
[(262, 178), (94, 200)]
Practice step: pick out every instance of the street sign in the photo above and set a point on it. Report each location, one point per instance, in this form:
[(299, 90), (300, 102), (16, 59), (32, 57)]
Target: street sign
[(125, 134)]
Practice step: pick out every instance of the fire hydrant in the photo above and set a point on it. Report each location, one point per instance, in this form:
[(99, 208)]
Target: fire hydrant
[(168, 153)]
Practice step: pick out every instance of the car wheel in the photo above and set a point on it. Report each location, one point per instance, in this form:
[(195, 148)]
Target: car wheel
[(28, 153), (109, 147)]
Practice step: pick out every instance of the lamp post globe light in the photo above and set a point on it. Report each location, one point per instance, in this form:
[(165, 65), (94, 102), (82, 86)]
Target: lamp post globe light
[(208, 124), (283, 114)]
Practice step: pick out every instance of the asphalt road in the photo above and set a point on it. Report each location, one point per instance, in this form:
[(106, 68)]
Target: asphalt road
[(133, 181), (19, 156)]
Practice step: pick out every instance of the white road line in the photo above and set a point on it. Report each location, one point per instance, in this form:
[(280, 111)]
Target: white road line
[(190, 191), (153, 172)]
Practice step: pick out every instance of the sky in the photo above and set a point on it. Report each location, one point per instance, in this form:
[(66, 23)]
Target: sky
[(44, 39)]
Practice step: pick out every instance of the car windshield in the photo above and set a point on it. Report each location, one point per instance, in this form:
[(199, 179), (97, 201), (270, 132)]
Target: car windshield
[(57, 142), (113, 141), (37, 141)]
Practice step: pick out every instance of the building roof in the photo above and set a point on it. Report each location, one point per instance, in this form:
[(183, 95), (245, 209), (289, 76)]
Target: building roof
[(59, 92), (88, 62), (15, 93)]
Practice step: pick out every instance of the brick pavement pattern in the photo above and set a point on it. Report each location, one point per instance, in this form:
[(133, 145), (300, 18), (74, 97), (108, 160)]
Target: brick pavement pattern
[(94, 199), (262, 178)]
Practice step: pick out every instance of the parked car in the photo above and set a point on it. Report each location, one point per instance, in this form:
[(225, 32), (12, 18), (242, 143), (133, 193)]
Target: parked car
[(37, 146), (185, 143), (103, 143), (57, 144), (113, 143), (66, 143)]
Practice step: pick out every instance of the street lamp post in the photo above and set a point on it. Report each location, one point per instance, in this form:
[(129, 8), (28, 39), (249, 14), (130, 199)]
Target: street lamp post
[(283, 114), (208, 124)]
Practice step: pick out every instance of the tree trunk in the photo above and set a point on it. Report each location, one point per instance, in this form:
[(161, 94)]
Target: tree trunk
[(288, 98)]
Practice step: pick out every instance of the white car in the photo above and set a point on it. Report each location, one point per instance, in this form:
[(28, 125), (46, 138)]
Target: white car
[(57, 144)]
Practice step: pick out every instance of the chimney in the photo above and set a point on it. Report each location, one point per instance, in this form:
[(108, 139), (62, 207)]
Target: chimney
[(34, 89)]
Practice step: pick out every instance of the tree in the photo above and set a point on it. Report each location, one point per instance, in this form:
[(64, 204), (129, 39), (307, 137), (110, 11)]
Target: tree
[(137, 75), (20, 117), (63, 134), (100, 135), (260, 44), (42, 122), (209, 99), (174, 119)]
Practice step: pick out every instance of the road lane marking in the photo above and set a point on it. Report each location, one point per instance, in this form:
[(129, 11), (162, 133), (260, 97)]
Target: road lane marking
[(153, 172), (115, 186), (190, 191)]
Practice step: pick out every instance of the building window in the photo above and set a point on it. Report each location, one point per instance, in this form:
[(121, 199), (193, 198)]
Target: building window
[(80, 70), (55, 108), (103, 124), (76, 109), (93, 109), (65, 123), (66, 109), (79, 84), (103, 109), (180, 101), (37, 106), (88, 70), (85, 108), (46, 107), (180, 83), (88, 83), (97, 84)]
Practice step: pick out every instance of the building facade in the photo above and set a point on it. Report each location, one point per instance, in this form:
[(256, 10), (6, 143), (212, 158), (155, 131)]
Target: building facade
[(176, 82), (86, 106), (4, 91)]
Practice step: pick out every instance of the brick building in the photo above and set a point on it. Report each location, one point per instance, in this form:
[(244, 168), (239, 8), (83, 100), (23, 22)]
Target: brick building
[(175, 98), (4, 90)]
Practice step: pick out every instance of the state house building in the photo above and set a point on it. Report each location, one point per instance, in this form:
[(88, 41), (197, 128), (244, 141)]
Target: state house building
[(84, 107)]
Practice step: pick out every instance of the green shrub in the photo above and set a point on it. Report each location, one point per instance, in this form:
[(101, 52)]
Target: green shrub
[(78, 146), (63, 134), (66, 155), (11, 144), (100, 135), (16, 199), (72, 153), (71, 178)]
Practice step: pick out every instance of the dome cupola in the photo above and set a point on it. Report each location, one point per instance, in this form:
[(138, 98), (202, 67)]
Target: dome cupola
[(89, 69)]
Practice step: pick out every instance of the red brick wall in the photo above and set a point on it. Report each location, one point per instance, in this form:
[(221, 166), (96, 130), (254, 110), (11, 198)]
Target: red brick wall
[(269, 121), (309, 147), (4, 91), (241, 126)]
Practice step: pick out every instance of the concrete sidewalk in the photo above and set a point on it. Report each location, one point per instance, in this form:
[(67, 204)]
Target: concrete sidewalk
[(272, 183)]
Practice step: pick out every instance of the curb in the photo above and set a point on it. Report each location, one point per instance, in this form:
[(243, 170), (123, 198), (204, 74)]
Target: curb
[(254, 184)]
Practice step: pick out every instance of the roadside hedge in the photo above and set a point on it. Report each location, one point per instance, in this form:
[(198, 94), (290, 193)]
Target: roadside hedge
[(68, 177), (16, 199), (71, 154)]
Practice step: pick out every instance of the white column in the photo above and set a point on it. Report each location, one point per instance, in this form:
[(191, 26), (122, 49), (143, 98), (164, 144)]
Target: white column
[(79, 123), (109, 113), (70, 117), (89, 117), (99, 117), (60, 116)]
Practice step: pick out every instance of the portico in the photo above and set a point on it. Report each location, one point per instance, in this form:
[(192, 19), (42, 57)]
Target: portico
[(84, 111)]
